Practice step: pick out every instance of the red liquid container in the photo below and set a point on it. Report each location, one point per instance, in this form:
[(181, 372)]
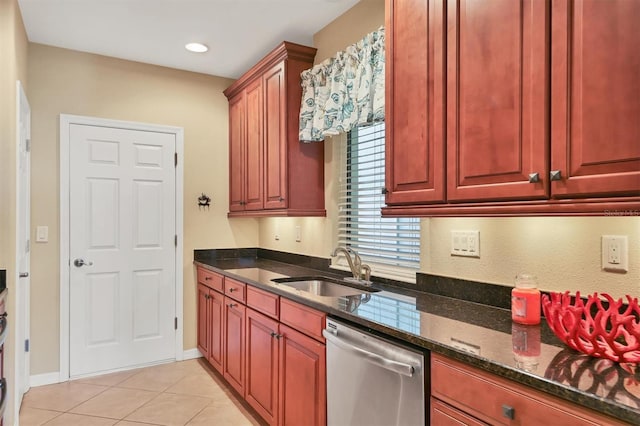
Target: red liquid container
[(525, 300)]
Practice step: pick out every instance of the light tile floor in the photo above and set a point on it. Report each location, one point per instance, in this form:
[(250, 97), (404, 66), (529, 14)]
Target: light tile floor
[(174, 394)]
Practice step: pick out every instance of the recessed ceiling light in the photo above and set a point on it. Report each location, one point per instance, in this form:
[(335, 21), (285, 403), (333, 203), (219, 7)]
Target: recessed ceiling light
[(196, 47)]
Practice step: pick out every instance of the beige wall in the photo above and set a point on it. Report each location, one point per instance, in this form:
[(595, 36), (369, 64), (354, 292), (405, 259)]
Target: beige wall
[(69, 82), (13, 66), (564, 253)]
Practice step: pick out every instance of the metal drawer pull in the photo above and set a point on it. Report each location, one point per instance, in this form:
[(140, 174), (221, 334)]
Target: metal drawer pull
[(534, 177), (232, 305), (207, 278), (395, 366), (231, 290), (276, 335), (508, 412)]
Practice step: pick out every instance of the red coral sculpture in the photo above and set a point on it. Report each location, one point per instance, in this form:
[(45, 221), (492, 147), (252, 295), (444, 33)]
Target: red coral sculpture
[(612, 333)]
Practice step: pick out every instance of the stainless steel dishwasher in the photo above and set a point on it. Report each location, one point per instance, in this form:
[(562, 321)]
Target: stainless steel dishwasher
[(371, 381)]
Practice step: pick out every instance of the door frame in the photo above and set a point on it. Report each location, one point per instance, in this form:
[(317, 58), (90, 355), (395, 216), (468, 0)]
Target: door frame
[(66, 120), (22, 382)]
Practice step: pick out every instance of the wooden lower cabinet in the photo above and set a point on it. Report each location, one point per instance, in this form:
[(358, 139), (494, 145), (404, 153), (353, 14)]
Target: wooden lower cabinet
[(278, 369), (261, 390), (445, 415), (469, 396), (234, 344), (210, 322), (303, 379)]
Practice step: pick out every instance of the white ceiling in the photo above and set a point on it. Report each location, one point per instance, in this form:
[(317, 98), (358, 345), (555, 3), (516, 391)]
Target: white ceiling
[(238, 32)]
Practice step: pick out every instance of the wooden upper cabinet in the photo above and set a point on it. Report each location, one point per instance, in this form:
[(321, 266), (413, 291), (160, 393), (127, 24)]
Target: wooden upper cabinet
[(596, 97), (497, 89), (414, 115), (275, 141), (535, 101), (254, 192), (280, 176), (237, 146)]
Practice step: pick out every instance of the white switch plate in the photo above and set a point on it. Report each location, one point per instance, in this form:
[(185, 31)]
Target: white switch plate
[(465, 243), (42, 234), (615, 253), (298, 234)]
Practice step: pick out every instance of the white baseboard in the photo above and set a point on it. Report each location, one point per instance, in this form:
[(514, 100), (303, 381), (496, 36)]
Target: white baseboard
[(191, 354), (44, 379)]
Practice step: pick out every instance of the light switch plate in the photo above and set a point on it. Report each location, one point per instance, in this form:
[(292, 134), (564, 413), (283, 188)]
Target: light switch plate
[(42, 234), (615, 253), (465, 243)]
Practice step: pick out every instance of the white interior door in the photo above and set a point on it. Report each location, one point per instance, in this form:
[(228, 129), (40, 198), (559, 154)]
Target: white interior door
[(122, 224), (23, 226)]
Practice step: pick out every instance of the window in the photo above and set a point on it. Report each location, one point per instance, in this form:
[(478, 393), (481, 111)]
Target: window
[(388, 243)]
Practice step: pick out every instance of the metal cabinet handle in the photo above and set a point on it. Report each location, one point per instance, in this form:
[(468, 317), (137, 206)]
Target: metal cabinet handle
[(276, 335), (231, 290), (508, 411), (80, 262), (534, 177), (232, 305), (280, 199), (207, 278), (555, 175)]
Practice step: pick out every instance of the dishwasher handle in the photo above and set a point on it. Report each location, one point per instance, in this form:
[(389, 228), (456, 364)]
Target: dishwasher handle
[(388, 364)]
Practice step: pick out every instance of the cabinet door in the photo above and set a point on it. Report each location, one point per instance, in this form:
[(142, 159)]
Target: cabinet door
[(203, 320), (237, 146), (275, 138), (303, 394), (445, 415), (254, 148), (595, 97), (233, 359), (261, 388), (497, 92), (216, 331), (415, 102)]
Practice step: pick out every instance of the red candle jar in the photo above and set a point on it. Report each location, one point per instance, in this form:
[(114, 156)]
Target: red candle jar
[(525, 300)]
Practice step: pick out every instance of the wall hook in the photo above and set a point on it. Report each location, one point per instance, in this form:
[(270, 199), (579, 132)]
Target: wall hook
[(204, 201)]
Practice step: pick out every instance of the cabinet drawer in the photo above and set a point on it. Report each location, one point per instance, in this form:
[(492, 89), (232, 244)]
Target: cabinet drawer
[(210, 279), (302, 318), (263, 301), (486, 397), (235, 289), (445, 415)]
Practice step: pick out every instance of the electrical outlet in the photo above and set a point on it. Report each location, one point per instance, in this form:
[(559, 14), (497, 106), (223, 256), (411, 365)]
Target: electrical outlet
[(465, 243), (615, 253)]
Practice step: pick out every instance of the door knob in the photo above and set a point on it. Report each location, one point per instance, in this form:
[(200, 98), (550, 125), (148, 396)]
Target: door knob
[(81, 262)]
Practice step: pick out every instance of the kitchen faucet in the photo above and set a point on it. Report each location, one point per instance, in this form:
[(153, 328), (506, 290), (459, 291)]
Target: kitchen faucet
[(355, 264)]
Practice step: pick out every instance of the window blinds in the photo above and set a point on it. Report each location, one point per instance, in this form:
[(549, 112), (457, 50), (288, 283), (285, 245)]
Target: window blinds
[(383, 241)]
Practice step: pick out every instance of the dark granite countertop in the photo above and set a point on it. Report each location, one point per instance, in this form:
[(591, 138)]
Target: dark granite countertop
[(477, 334)]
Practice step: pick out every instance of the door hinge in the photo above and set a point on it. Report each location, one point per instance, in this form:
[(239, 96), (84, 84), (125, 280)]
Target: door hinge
[(175, 240), (175, 323), (26, 345), (175, 159), (27, 145)]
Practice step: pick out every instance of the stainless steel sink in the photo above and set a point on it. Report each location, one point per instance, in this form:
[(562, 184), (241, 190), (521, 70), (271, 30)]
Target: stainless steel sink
[(323, 286)]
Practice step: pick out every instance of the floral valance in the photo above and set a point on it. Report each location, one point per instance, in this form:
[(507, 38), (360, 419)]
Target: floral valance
[(344, 91)]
